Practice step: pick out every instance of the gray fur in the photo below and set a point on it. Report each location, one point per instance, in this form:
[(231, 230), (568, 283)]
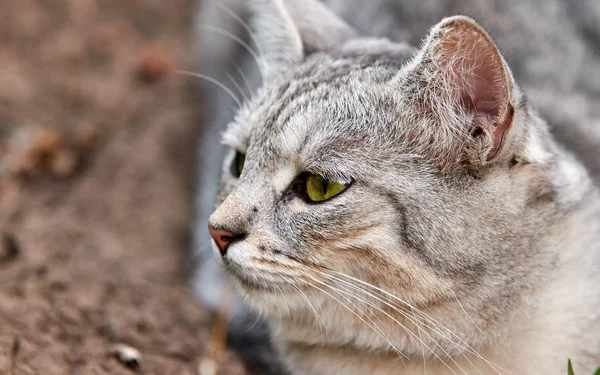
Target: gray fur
[(503, 241)]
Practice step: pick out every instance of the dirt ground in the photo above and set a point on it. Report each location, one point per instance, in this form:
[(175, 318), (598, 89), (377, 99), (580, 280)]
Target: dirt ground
[(97, 136)]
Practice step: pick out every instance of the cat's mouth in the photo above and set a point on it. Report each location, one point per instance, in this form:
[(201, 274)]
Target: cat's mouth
[(272, 273), (256, 281)]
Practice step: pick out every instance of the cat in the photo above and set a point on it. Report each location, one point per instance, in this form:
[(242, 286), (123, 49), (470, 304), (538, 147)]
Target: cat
[(392, 209)]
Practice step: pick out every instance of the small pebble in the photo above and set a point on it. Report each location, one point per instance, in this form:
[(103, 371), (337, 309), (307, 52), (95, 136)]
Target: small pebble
[(127, 355)]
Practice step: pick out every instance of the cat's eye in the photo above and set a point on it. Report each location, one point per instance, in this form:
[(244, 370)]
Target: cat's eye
[(238, 163), (319, 189)]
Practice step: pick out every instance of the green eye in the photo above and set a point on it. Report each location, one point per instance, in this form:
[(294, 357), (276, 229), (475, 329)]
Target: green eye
[(238, 165), (320, 189)]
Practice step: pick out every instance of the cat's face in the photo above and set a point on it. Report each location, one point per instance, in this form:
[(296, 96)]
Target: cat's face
[(360, 190)]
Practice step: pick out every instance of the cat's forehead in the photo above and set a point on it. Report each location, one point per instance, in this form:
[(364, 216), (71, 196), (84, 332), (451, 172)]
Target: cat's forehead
[(325, 97)]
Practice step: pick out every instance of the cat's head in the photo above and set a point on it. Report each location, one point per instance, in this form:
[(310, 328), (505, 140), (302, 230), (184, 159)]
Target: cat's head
[(388, 179)]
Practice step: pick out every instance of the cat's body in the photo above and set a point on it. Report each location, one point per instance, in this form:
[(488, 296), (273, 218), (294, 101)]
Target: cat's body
[(462, 215)]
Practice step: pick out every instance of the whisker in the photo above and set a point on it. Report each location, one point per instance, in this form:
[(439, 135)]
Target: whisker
[(466, 313), (243, 23), (417, 324), (412, 334), (237, 86), (320, 322), (253, 325), (213, 81), (422, 347), (240, 41), (245, 79), (287, 304), (463, 344), (376, 329)]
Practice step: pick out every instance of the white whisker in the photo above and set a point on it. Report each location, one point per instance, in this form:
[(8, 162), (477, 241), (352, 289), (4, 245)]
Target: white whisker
[(467, 314), (213, 81), (462, 344), (256, 320), (240, 41), (237, 86), (415, 322), (375, 328), (244, 24), (320, 322), (245, 79), (411, 333)]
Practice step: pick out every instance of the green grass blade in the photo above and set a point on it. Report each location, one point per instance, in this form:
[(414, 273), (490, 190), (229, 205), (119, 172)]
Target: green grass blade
[(570, 368)]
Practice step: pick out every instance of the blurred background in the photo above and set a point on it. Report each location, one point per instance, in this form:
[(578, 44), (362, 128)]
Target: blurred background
[(97, 144)]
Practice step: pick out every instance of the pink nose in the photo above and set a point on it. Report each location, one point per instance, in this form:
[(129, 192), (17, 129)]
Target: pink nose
[(223, 238)]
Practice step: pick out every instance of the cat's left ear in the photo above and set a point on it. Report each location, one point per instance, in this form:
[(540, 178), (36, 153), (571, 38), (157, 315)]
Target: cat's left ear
[(467, 83), (289, 30)]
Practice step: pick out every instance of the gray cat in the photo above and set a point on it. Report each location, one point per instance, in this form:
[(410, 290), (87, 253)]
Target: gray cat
[(391, 209)]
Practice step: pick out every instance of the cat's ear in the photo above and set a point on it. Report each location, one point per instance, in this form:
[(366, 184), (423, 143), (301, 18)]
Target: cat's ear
[(467, 82), (289, 30)]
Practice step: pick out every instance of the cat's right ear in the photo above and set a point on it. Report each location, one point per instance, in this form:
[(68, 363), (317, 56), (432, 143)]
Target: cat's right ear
[(289, 30)]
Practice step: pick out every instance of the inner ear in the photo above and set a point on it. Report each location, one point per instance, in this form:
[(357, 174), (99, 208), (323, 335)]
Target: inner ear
[(476, 71), (475, 76)]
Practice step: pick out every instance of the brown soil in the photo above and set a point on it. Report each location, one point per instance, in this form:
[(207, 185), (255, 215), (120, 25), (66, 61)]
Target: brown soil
[(97, 136)]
